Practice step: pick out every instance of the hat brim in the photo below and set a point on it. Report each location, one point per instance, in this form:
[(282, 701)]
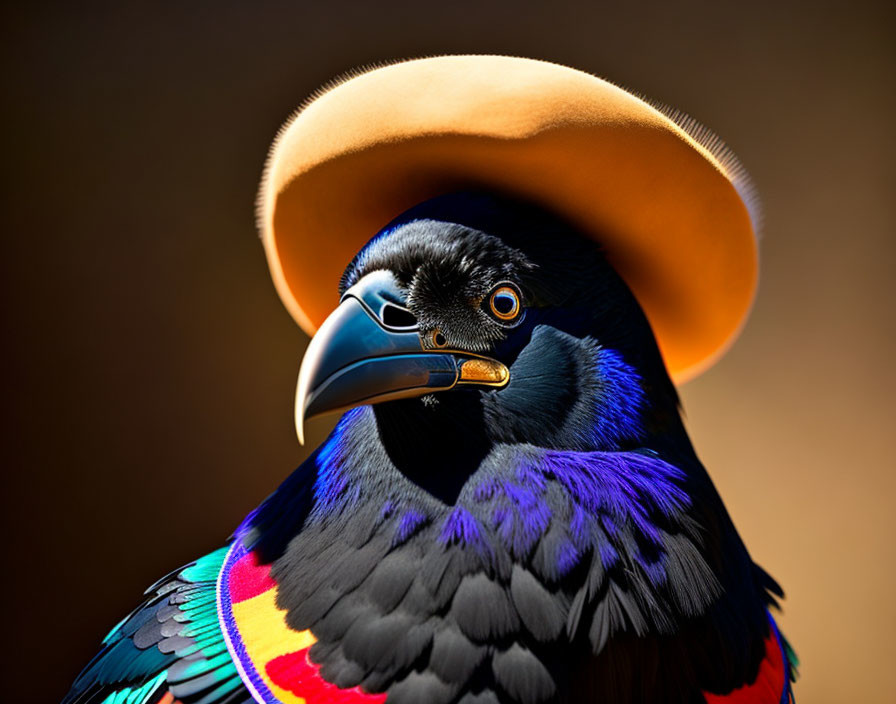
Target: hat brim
[(669, 211)]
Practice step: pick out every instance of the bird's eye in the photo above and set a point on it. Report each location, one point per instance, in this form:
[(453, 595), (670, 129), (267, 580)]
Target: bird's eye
[(437, 340), (504, 303)]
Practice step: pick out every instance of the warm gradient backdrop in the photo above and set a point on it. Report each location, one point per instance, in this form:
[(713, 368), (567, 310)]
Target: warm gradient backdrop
[(149, 368)]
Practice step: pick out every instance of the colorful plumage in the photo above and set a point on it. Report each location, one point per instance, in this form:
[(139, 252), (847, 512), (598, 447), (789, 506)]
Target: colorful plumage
[(509, 510)]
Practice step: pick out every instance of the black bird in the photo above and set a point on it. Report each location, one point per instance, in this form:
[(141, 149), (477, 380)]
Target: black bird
[(509, 510)]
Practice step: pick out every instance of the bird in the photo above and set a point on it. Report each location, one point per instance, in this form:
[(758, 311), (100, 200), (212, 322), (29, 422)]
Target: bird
[(509, 509)]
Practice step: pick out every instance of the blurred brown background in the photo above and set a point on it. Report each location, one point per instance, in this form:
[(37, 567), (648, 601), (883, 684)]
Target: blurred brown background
[(149, 368)]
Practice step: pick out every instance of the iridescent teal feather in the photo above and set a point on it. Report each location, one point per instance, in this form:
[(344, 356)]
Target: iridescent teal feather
[(171, 644), (136, 695)]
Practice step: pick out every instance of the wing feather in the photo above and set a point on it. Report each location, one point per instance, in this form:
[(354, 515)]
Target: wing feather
[(169, 650)]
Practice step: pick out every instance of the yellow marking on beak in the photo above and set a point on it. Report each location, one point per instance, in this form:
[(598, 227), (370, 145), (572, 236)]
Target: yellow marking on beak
[(484, 371)]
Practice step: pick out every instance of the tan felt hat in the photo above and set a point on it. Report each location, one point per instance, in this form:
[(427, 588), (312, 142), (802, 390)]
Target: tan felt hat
[(670, 205)]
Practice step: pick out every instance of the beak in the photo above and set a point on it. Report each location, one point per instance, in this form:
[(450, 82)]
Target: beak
[(370, 350)]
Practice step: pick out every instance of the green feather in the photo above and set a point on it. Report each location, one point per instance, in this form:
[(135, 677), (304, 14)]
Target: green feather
[(221, 690), (136, 695), (205, 569)]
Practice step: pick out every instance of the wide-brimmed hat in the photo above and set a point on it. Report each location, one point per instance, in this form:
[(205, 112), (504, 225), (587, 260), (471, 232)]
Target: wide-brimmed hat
[(669, 204)]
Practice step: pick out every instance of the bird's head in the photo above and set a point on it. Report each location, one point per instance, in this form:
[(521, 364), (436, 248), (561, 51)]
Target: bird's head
[(477, 319)]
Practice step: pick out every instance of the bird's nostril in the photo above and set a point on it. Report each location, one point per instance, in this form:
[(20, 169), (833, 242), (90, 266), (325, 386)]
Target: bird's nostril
[(396, 317)]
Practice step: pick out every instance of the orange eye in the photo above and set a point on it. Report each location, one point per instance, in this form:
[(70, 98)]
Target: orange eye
[(504, 303), (437, 340)]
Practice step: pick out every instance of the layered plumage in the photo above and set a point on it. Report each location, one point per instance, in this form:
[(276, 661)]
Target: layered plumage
[(552, 539), (171, 648)]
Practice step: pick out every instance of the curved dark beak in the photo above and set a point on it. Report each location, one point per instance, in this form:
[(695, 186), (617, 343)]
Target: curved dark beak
[(369, 350)]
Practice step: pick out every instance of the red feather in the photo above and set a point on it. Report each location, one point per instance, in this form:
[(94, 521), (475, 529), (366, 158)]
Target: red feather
[(770, 683), (296, 673)]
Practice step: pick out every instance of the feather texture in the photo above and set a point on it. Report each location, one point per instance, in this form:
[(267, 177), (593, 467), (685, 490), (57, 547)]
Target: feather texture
[(170, 649)]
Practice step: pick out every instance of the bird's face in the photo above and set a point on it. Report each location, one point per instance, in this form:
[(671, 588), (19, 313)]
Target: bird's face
[(517, 314)]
